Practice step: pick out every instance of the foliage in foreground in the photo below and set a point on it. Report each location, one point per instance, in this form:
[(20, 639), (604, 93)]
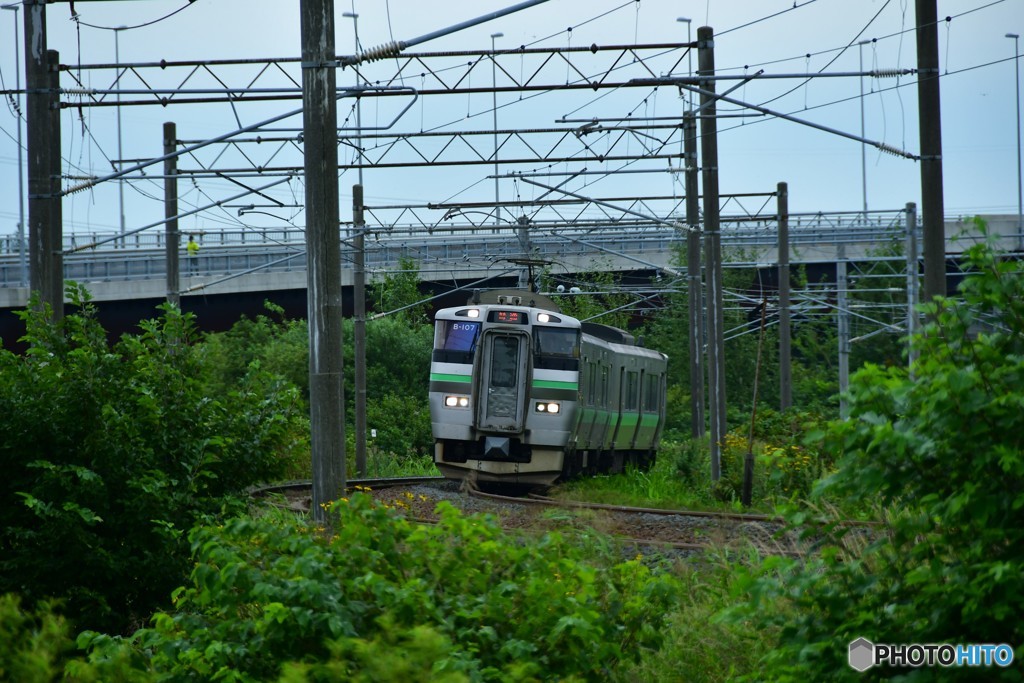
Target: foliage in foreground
[(111, 453), (944, 452), (460, 600)]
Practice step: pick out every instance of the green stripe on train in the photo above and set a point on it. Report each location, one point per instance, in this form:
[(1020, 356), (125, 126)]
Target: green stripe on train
[(555, 384), (446, 377), (629, 419)]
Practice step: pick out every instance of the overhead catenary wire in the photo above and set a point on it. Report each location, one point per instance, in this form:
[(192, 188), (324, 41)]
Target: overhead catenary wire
[(628, 3)]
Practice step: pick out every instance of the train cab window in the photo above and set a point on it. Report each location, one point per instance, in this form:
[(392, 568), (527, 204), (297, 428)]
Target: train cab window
[(504, 363), (455, 341), (556, 348)]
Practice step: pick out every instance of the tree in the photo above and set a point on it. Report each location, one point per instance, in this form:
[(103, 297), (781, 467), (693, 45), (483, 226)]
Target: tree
[(600, 299), (943, 453), (111, 453), (398, 293)]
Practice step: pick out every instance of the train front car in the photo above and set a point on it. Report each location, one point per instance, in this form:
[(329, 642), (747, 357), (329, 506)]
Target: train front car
[(504, 381)]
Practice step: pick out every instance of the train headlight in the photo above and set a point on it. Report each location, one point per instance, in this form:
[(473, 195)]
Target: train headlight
[(456, 401), (549, 407)]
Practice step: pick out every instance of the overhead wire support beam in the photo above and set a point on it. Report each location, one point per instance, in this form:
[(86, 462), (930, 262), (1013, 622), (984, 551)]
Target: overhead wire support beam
[(220, 138), (482, 161), (383, 92), (164, 65), (630, 56)]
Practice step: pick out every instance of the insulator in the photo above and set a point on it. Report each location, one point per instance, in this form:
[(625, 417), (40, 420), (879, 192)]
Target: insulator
[(888, 73), (895, 151), (384, 51), (78, 92), (81, 186)]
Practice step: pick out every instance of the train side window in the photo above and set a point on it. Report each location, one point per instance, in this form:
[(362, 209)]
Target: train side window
[(621, 393), (591, 375), (604, 386), (651, 386), (631, 390)]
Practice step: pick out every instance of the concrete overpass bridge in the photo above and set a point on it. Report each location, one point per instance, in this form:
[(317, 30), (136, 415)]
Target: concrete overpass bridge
[(235, 261)]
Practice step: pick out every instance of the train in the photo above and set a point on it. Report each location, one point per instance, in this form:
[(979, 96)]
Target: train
[(522, 394)]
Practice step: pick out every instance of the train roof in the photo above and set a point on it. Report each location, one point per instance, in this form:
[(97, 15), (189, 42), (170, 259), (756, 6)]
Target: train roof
[(513, 297), (608, 333)]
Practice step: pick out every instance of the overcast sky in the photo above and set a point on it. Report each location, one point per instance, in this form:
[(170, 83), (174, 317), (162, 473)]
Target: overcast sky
[(823, 170)]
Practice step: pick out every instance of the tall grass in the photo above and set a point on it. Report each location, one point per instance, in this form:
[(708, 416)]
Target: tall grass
[(381, 464), (679, 479)]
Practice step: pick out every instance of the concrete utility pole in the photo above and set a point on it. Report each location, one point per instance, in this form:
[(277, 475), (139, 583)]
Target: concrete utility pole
[(359, 280), (323, 249), (712, 247), (523, 235), (843, 312), (173, 240), (696, 294), (359, 325), (785, 364), (930, 124), (42, 116), (1020, 193)]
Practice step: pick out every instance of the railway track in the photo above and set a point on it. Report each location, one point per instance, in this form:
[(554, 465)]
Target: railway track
[(298, 495), (683, 530), (675, 531)]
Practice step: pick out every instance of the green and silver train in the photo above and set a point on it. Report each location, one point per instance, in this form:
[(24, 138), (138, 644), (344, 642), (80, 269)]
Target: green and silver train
[(523, 394)]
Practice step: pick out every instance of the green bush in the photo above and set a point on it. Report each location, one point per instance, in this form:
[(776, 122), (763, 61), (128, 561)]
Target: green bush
[(280, 347), (111, 453), (462, 598), (33, 643), (943, 452), (397, 377), (403, 425), (36, 647)]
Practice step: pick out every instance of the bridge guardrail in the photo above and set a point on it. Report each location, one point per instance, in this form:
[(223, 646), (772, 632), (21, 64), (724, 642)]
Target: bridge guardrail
[(227, 252)]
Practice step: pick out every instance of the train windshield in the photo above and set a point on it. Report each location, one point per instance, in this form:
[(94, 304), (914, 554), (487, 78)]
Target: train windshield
[(456, 336), (558, 342)]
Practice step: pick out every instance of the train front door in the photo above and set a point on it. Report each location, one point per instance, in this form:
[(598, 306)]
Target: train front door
[(503, 381)]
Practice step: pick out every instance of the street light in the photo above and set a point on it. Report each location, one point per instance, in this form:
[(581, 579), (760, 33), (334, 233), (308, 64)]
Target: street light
[(1016, 64), (22, 267), (689, 56), (359, 117), (494, 107), (120, 156), (863, 145)]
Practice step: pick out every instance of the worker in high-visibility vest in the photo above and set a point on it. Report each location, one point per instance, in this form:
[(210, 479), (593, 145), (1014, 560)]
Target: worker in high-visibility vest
[(192, 248)]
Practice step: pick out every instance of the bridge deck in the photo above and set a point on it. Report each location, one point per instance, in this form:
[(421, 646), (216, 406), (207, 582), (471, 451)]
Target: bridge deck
[(134, 267)]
